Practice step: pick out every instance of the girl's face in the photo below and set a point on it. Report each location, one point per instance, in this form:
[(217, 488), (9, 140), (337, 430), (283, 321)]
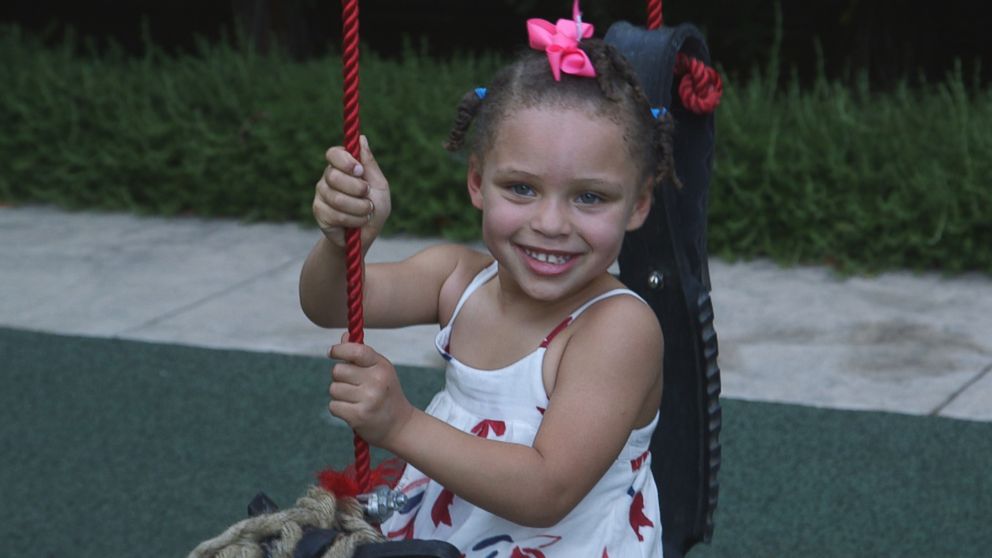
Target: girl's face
[(557, 191)]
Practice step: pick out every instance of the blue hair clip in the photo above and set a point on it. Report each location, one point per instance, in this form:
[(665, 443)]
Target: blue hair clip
[(659, 112), (480, 92)]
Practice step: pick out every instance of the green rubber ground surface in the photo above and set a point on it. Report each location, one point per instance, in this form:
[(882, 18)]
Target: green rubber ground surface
[(115, 448)]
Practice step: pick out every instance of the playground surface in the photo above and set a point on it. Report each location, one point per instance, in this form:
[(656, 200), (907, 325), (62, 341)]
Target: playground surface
[(158, 373)]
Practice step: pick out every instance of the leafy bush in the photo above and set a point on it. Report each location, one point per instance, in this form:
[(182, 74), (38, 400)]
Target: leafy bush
[(225, 132), (860, 179)]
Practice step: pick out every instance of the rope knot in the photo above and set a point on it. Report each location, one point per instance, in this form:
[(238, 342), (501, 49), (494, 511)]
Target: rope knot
[(700, 87)]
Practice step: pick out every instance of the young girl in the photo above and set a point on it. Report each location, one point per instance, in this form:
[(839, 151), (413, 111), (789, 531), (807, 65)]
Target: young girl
[(538, 444)]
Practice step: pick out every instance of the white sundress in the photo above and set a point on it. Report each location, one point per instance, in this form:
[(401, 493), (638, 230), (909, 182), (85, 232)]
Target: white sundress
[(620, 517)]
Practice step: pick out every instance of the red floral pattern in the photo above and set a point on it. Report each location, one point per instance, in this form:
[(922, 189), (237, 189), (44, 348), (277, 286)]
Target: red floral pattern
[(482, 429), (441, 510), (637, 517), (404, 533), (638, 461), (526, 553)]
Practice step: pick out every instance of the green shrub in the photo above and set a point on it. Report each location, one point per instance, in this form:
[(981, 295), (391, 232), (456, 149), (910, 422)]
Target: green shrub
[(859, 179), (225, 132)]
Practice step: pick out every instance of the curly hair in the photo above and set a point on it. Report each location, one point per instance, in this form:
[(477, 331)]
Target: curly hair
[(614, 94)]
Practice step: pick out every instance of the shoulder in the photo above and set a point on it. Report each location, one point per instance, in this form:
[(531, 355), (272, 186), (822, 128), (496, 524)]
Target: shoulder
[(458, 265), (612, 358), (615, 337), (417, 289), (619, 322)]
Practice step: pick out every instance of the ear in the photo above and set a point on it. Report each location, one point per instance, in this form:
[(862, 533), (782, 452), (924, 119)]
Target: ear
[(475, 181), (642, 206)]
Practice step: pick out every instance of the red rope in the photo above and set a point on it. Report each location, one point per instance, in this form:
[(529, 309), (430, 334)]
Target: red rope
[(353, 236), (654, 14), (700, 87)]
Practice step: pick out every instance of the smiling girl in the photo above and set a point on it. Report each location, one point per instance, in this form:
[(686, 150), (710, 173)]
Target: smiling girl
[(538, 444)]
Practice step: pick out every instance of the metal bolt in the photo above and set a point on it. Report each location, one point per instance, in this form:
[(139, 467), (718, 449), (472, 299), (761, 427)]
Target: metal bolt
[(381, 503), (656, 280)]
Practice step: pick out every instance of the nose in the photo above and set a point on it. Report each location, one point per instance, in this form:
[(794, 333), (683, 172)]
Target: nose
[(552, 218)]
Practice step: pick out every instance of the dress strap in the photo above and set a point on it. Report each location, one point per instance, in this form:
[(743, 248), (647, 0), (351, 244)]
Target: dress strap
[(578, 311), (480, 279)]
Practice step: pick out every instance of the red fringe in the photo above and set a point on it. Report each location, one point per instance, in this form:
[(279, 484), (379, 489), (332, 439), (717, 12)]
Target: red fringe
[(344, 484)]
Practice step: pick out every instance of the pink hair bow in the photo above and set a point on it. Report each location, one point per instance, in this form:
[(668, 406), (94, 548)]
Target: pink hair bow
[(561, 43)]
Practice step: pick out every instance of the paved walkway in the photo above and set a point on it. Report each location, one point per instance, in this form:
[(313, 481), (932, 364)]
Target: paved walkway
[(900, 342)]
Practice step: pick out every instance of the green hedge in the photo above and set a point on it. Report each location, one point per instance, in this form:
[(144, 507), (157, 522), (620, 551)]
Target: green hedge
[(225, 132), (861, 180), (858, 179)]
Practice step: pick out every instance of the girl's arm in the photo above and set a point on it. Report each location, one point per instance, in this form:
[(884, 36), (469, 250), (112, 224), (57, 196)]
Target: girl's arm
[(421, 289), (608, 383)]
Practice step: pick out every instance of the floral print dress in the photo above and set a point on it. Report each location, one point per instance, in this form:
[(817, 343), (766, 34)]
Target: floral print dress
[(620, 516)]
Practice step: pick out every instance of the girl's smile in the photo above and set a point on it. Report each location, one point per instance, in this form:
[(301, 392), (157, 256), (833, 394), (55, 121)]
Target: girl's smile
[(545, 262), (558, 190)]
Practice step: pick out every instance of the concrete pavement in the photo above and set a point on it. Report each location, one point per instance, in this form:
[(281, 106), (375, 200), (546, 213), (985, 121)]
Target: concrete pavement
[(900, 342)]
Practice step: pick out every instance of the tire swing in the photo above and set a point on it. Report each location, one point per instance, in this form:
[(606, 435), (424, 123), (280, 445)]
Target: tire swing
[(665, 262)]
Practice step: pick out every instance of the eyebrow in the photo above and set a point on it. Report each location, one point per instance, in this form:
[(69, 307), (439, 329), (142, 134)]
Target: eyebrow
[(504, 172)]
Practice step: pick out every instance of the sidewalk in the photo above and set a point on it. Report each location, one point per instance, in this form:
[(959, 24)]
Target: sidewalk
[(918, 344)]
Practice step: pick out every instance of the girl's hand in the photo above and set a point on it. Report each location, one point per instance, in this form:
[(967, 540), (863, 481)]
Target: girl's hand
[(366, 393), (350, 194)]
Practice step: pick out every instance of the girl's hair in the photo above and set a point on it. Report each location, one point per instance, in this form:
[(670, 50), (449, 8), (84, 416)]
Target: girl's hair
[(615, 93)]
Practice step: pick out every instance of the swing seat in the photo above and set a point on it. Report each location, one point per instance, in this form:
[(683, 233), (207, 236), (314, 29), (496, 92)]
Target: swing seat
[(665, 262)]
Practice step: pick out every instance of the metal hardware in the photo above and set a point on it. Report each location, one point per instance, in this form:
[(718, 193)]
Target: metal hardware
[(656, 280), (381, 503)]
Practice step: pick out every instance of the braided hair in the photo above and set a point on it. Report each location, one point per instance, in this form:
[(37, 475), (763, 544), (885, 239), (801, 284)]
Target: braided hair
[(615, 94)]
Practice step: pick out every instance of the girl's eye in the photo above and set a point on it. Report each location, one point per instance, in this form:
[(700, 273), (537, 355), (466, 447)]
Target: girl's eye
[(589, 198), (522, 190)]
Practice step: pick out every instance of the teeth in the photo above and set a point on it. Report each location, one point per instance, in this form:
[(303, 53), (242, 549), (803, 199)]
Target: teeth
[(554, 259)]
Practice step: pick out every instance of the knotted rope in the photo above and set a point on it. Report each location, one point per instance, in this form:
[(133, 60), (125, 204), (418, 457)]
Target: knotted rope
[(700, 87), (276, 534)]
